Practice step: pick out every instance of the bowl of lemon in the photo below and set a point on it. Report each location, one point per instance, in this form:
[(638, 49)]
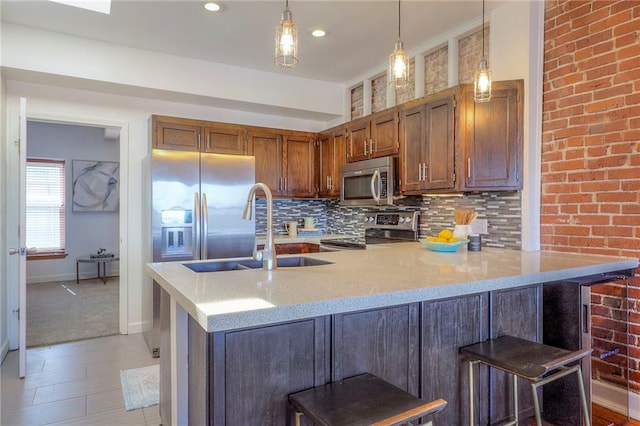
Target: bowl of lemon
[(444, 242)]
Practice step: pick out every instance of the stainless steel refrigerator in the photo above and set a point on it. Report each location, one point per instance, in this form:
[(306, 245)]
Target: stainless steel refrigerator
[(196, 207)]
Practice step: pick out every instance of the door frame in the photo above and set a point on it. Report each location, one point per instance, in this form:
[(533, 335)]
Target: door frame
[(34, 115)]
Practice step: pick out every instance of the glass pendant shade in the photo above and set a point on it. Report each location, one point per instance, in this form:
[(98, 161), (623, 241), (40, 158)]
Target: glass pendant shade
[(286, 41), (399, 67), (482, 83)]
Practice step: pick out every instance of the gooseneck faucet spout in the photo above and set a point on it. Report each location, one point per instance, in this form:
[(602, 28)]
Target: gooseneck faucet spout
[(268, 254)]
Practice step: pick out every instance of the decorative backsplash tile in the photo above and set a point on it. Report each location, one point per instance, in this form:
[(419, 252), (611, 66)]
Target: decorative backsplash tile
[(501, 209)]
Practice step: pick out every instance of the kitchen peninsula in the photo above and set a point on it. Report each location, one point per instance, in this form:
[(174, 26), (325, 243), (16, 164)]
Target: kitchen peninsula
[(236, 343)]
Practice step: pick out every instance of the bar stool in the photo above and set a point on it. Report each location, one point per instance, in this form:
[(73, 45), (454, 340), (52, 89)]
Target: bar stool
[(361, 400), (537, 363)]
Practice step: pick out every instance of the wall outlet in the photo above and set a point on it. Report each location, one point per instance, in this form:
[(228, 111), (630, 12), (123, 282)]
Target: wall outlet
[(429, 423), (479, 226)]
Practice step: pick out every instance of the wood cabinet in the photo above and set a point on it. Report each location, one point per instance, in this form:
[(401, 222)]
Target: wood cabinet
[(332, 153), (248, 374), (294, 248), (384, 342), (284, 161), (427, 145), (374, 136), (183, 134), (444, 372), (491, 138)]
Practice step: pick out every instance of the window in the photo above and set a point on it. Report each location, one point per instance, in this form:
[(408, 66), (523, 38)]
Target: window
[(46, 208)]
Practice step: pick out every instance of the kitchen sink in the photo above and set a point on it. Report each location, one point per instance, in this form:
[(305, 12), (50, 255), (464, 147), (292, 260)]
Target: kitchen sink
[(237, 265)]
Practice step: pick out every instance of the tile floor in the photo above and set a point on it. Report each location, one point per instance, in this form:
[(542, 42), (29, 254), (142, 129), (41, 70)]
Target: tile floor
[(74, 383)]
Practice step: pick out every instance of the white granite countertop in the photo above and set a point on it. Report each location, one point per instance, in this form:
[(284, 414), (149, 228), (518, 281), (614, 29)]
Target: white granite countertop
[(363, 279)]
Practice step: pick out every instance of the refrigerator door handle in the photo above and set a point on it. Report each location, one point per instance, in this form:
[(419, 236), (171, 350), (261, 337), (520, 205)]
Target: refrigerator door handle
[(205, 227), (196, 225)]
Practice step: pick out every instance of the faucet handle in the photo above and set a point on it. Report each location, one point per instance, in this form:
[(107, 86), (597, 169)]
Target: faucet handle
[(258, 255)]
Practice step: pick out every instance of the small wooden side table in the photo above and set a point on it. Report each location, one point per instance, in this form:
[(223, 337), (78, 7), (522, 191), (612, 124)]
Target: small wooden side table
[(97, 260)]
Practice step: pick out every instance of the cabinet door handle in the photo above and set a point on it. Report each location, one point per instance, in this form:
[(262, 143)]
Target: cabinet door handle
[(371, 145), (198, 143), (424, 171), (469, 167), (208, 142), (365, 147), (420, 172)]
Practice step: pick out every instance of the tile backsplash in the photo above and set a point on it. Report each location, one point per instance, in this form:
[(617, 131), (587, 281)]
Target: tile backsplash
[(502, 210)]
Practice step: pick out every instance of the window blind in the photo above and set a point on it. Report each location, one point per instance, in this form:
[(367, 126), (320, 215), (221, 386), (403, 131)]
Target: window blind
[(45, 212)]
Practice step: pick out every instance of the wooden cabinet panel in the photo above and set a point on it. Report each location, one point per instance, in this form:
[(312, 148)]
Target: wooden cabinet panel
[(439, 155), (413, 140), (359, 135), (263, 366), (299, 160), (384, 134), (518, 313), (427, 135), (175, 134), (491, 138), (267, 149), (448, 325), (225, 139), (332, 153), (375, 136), (384, 342)]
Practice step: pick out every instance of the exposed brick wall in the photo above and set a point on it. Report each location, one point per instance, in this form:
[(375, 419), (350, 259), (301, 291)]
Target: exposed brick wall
[(470, 54), (379, 93), (590, 150), (436, 71), (357, 106), (409, 92)]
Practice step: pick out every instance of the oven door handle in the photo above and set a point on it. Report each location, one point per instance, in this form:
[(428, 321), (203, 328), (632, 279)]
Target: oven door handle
[(376, 196)]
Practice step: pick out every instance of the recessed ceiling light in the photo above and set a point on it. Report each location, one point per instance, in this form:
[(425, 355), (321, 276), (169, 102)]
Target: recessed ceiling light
[(212, 7), (318, 33)]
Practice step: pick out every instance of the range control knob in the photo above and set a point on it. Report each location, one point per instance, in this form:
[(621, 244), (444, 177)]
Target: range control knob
[(408, 220), (401, 220)]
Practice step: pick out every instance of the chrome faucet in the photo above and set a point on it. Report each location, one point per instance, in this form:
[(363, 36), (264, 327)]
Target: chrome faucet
[(268, 254)]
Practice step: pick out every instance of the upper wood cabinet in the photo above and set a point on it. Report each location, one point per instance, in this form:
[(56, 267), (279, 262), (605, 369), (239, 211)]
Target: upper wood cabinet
[(225, 139), (374, 136), (427, 145), (332, 155), (285, 161), (491, 139), (183, 134)]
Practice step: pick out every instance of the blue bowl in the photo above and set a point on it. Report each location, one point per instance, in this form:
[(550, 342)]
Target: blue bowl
[(443, 247)]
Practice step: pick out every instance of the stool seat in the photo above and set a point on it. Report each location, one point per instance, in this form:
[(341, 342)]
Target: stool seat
[(361, 400), (537, 363), (529, 360)]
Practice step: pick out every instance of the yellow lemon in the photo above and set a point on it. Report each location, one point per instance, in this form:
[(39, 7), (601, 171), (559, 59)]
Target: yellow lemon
[(445, 233), (431, 238), (441, 240), (452, 240)]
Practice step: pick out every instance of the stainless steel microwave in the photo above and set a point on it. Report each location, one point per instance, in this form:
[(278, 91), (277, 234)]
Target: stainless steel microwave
[(370, 182)]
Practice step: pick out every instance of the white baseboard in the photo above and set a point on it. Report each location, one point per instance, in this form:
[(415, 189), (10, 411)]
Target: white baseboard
[(4, 350), (134, 327), (616, 398)]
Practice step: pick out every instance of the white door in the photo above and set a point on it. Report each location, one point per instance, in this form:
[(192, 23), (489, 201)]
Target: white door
[(17, 288)]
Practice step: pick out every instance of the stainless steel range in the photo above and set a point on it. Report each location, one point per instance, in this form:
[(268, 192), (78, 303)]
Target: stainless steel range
[(379, 228)]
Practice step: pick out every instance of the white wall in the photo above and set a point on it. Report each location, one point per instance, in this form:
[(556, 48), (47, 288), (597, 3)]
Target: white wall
[(85, 231), (4, 341)]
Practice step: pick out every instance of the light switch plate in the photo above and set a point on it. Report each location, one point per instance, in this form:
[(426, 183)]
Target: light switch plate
[(479, 226), (429, 423)]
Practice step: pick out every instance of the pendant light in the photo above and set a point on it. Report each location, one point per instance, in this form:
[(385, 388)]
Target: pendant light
[(398, 75), (286, 40), (482, 80)]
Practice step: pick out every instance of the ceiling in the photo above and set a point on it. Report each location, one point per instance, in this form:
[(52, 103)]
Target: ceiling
[(361, 34)]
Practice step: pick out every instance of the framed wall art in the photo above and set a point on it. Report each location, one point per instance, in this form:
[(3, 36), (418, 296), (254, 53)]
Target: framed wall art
[(96, 186)]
